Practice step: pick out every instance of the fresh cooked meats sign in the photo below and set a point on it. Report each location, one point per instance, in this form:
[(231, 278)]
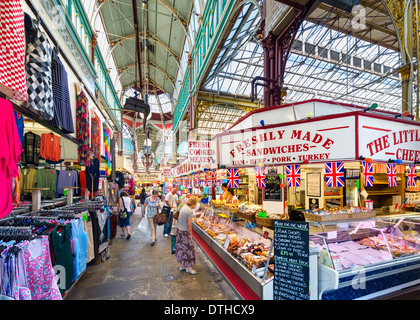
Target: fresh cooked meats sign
[(313, 141), (201, 152)]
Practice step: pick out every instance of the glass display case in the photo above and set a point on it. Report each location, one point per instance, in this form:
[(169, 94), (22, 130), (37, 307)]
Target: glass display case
[(245, 250), (368, 259)]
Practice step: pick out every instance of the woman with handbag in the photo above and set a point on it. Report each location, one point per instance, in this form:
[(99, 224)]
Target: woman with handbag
[(184, 247), (152, 205), (124, 213)]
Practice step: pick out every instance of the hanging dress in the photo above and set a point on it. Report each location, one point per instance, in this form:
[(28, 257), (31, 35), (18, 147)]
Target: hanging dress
[(41, 278), (63, 117), (10, 153), (39, 70), (12, 50), (82, 128)]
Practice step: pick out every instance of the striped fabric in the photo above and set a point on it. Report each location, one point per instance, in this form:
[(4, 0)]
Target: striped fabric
[(63, 117), (12, 50)]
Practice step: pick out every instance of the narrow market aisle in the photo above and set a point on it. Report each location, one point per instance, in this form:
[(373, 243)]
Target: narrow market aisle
[(138, 271)]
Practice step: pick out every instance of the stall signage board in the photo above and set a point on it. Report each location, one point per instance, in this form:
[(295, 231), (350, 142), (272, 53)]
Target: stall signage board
[(202, 152), (381, 140), (272, 190), (315, 141), (291, 260)]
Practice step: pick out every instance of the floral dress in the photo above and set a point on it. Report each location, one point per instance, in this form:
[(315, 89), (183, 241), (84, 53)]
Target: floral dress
[(41, 278)]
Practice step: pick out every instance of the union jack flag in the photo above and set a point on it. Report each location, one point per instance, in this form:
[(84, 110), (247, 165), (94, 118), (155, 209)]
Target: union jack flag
[(293, 175), (335, 174), (412, 176), (368, 173), (210, 179), (260, 175), (391, 169), (233, 178), (214, 178)]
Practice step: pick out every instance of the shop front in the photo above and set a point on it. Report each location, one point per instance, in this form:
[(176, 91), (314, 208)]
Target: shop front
[(347, 171)]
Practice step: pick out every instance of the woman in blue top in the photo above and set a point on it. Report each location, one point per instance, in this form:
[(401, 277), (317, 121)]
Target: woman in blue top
[(152, 205)]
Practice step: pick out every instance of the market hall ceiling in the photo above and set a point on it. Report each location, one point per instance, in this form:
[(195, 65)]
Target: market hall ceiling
[(164, 23)]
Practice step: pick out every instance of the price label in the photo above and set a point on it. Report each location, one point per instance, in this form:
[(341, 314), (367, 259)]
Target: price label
[(226, 244), (337, 263)]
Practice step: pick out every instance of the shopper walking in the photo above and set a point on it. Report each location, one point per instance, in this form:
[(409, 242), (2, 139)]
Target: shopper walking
[(125, 209), (152, 205), (170, 204), (184, 247)]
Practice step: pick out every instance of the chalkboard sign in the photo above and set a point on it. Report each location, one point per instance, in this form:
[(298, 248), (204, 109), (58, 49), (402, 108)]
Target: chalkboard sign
[(291, 260), (272, 190)]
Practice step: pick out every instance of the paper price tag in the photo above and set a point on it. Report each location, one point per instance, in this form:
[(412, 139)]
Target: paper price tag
[(226, 244), (332, 235), (84, 217), (337, 263)]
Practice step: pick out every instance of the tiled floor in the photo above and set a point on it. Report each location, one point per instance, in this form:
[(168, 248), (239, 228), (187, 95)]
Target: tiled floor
[(138, 271)]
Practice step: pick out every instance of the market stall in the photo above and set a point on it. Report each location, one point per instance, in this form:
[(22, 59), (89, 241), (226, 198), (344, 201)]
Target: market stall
[(339, 164)]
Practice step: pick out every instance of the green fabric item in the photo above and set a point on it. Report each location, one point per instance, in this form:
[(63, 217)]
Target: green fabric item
[(262, 214), (46, 178), (63, 255)]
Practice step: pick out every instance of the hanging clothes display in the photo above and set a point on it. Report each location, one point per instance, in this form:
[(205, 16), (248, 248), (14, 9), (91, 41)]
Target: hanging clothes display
[(12, 50), (92, 175), (63, 254), (46, 178), (82, 182), (39, 70), (68, 149), (50, 147), (107, 146), (80, 247), (63, 117), (20, 124), (96, 137), (10, 155), (41, 277), (53, 249), (87, 227), (67, 178), (27, 177), (113, 192), (31, 148), (82, 127)]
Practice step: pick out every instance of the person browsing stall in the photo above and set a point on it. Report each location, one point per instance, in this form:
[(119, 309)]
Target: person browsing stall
[(184, 246)]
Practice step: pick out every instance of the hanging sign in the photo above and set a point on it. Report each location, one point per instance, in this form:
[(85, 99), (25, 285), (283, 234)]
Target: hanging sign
[(382, 140), (202, 152), (315, 141)]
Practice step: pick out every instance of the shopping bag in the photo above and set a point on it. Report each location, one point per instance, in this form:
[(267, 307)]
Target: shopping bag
[(137, 211), (144, 226)]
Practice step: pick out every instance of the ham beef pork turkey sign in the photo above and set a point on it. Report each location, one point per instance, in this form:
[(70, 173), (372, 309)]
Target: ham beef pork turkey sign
[(303, 142)]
